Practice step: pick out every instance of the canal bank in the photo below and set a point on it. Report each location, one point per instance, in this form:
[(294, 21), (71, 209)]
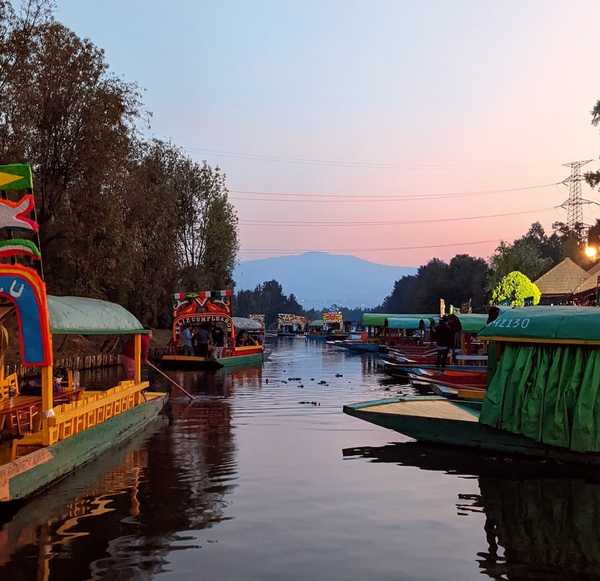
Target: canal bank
[(263, 477)]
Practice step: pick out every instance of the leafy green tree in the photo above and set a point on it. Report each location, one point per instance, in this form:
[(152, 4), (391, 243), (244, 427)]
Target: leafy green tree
[(207, 231), (514, 289)]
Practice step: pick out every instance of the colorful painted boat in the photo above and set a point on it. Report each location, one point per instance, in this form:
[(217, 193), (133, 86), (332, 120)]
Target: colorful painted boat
[(45, 436), (542, 397), (290, 325), (242, 339), (57, 438), (238, 356)]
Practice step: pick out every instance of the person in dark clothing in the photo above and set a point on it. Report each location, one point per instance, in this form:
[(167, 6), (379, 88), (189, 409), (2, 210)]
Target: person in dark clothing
[(218, 339), (455, 331), (201, 341), (443, 338), (421, 332)]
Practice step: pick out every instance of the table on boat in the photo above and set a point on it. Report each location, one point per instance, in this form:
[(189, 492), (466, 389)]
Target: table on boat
[(17, 413)]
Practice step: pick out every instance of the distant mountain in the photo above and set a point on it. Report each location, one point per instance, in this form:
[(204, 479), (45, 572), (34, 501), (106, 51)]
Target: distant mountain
[(320, 279)]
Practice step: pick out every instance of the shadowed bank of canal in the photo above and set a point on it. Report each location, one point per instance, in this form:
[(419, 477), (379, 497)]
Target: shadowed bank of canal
[(263, 479)]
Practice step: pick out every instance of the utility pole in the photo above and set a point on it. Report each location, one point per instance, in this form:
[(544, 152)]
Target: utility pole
[(574, 203)]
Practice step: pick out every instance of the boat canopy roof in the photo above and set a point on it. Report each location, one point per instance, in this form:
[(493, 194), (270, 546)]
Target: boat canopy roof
[(402, 323), (563, 324), (317, 323), (83, 316), (378, 319), (472, 322), (243, 324)]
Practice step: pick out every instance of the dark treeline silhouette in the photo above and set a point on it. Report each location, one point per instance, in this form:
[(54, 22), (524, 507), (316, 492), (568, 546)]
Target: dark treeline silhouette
[(269, 299), (467, 279), (121, 217)]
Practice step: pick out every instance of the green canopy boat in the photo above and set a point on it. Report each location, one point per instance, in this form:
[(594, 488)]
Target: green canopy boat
[(83, 316), (542, 396)]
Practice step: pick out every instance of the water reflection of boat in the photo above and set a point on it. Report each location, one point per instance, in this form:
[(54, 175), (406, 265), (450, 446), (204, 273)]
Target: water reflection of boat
[(54, 521), (126, 512), (541, 520)]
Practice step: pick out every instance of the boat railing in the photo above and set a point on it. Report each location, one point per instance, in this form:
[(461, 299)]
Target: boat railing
[(93, 408)]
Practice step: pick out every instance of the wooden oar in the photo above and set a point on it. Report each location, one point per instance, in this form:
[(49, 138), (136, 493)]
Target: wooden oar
[(192, 397)]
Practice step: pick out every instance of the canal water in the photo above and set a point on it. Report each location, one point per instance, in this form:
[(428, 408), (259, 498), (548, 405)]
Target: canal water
[(263, 478)]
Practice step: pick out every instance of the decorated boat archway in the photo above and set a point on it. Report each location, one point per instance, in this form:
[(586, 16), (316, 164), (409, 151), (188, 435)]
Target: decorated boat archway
[(205, 332)]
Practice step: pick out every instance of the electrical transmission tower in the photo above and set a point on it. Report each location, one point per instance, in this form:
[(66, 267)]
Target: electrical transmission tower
[(574, 203)]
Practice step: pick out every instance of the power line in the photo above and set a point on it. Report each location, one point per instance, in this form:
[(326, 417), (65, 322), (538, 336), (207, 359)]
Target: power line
[(337, 196), (302, 160), (387, 223), (445, 245)]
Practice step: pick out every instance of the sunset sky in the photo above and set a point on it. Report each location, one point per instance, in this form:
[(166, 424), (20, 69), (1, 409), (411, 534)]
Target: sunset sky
[(367, 100)]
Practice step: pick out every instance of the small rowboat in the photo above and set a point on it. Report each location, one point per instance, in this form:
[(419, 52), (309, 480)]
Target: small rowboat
[(403, 369), (459, 392), (450, 376)]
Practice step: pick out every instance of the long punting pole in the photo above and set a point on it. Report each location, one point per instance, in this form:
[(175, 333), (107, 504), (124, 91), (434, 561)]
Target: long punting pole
[(192, 397)]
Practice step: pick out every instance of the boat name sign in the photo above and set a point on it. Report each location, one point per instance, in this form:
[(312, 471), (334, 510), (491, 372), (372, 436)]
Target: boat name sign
[(203, 318), (511, 323)]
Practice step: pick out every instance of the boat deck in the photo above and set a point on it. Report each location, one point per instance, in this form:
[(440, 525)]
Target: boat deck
[(428, 408)]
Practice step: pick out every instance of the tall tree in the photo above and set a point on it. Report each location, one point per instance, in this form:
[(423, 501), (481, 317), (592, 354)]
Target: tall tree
[(67, 116), (207, 233), (402, 298), (116, 213), (460, 281), (467, 281)]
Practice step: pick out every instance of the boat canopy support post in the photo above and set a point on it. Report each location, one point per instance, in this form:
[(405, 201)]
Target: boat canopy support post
[(47, 401), (138, 358)]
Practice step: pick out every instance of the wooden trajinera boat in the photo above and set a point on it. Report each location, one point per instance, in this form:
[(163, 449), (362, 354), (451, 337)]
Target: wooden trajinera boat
[(214, 337), (58, 426), (542, 399)]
